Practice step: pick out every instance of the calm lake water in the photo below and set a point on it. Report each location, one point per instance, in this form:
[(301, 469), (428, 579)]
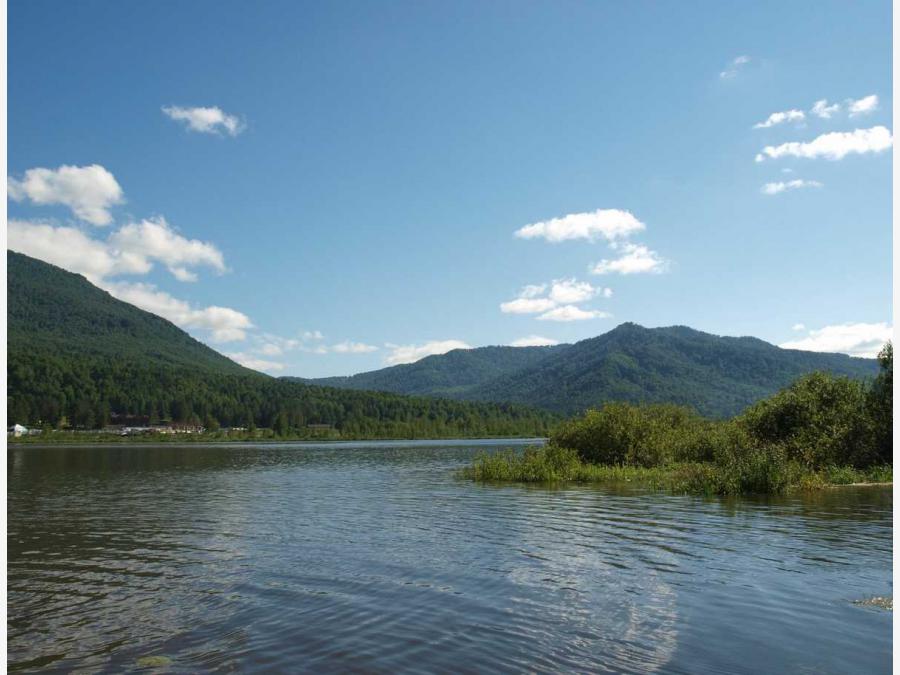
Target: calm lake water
[(373, 557)]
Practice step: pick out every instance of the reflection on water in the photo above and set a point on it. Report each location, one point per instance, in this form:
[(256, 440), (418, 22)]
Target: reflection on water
[(374, 557)]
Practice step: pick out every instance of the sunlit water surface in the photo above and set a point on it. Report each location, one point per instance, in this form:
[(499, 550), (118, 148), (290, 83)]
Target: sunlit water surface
[(374, 557)]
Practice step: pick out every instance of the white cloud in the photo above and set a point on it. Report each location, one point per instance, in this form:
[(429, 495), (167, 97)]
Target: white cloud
[(855, 339), (250, 361), (862, 106), (823, 110), (558, 292), (205, 120), (411, 353), (350, 347), (154, 239), (130, 250), (572, 313), (781, 117), (533, 341), (527, 305), (570, 291), (798, 326), (734, 67), (270, 349), (609, 224), (636, 259), (223, 323), (781, 186), (89, 191), (834, 146), (72, 249), (313, 335)]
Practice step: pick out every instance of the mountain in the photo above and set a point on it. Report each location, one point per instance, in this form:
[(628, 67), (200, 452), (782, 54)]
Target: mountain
[(718, 376), (77, 355), (54, 311), (453, 374)]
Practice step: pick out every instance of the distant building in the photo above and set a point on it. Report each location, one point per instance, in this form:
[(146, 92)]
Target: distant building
[(17, 430)]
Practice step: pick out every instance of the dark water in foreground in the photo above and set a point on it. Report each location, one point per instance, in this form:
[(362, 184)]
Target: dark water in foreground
[(372, 557)]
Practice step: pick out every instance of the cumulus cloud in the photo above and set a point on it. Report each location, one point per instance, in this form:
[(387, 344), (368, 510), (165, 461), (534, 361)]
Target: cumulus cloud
[(255, 363), (132, 249), (543, 298), (833, 146), (72, 249), (313, 335), (780, 117), (635, 259), (223, 323), (781, 186), (855, 339), (862, 106), (89, 191), (533, 341), (411, 353), (608, 224), (822, 109), (572, 313), (569, 291), (734, 67), (205, 120), (527, 305), (798, 326), (350, 347), (154, 239)]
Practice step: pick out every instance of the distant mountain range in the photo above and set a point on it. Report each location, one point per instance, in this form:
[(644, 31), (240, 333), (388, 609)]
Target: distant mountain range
[(718, 376), (78, 356), (75, 352)]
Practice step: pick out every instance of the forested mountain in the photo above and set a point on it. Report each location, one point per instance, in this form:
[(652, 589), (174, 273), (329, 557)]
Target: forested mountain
[(718, 376), (453, 374), (76, 355)]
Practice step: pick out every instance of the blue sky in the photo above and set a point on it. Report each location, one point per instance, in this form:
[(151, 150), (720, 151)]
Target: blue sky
[(351, 195)]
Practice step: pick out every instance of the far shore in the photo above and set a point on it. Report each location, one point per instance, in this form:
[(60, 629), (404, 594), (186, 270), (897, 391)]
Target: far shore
[(87, 440)]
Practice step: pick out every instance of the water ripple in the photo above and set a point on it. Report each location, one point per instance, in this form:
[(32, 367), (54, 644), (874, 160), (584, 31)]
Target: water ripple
[(373, 557)]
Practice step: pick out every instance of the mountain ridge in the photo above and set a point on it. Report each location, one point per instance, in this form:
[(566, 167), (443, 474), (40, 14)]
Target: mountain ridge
[(717, 375)]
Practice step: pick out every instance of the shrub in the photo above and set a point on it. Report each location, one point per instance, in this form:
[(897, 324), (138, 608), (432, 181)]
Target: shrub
[(643, 435), (819, 420)]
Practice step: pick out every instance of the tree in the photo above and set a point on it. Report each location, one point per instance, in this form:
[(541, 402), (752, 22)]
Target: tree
[(881, 405)]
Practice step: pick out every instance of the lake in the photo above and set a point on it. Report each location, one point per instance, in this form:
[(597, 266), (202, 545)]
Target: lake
[(374, 557)]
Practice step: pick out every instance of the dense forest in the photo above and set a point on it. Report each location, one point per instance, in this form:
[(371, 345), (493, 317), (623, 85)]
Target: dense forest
[(717, 376), (77, 357)]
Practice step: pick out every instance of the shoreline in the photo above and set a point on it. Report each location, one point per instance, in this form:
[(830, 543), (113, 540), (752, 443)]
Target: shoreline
[(200, 441)]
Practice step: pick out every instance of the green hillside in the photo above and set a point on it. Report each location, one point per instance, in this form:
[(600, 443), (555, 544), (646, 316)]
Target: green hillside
[(453, 374), (718, 376), (77, 355)]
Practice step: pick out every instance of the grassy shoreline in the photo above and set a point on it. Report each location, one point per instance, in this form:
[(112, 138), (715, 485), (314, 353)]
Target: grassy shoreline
[(553, 465)]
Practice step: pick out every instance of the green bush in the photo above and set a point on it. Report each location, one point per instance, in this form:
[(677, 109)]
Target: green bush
[(820, 420), (643, 435)]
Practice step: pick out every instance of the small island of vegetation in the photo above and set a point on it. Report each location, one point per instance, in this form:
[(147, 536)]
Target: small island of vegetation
[(822, 430)]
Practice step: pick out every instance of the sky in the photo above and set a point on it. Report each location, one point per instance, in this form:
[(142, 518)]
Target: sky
[(328, 188)]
